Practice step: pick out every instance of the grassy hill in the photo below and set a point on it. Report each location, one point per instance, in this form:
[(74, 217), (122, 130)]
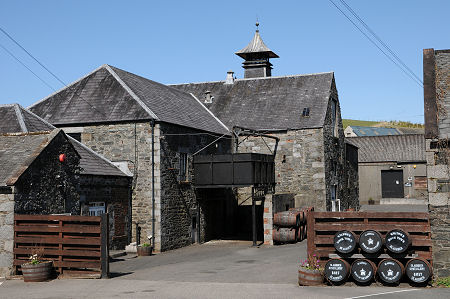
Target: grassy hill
[(386, 124)]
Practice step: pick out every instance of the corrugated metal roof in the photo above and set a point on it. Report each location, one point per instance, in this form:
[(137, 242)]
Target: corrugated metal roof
[(374, 131), (397, 148)]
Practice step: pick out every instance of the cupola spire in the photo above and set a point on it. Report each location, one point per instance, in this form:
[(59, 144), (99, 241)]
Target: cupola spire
[(257, 56)]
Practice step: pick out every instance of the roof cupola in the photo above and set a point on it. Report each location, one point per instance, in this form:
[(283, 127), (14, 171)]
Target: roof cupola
[(257, 56)]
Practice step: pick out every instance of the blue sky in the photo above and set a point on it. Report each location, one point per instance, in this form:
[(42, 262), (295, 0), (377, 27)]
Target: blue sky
[(195, 41)]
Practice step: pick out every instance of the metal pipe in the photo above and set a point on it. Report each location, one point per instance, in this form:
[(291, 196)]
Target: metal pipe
[(153, 183)]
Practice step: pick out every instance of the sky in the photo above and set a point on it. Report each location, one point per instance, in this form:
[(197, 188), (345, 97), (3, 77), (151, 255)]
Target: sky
[(195, 41)]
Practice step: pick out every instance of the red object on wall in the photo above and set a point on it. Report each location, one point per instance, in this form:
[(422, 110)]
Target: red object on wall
[(62, 157)]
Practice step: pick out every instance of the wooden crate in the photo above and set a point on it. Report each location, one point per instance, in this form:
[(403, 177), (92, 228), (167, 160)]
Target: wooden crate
[(322, 226), (75, 244)]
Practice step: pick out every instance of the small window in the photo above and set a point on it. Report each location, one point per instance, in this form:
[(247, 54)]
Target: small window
[(76, 136), (96, 208), (305, 112), (183, 169)]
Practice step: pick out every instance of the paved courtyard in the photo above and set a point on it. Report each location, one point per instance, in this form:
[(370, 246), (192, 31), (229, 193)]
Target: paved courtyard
[(219, 269)]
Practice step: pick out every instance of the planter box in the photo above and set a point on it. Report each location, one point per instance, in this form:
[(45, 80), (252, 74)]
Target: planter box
[(144, 250), (38, 272)]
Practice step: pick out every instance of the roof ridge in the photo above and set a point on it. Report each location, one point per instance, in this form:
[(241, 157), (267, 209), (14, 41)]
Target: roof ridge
[(66, 86), (209, 111), (133, 95), (259, 78), (37, 116), (36, 153), (20, 119)]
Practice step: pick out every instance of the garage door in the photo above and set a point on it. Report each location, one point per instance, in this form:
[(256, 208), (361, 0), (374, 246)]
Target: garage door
[(392, 184)]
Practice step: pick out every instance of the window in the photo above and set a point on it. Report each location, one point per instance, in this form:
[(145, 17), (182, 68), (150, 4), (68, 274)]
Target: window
[(305, 112), (96, 208), (76, 136), (183, 169)]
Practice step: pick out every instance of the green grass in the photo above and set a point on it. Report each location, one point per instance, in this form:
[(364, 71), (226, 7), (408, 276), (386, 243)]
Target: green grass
[(354, 122), (443, 282)]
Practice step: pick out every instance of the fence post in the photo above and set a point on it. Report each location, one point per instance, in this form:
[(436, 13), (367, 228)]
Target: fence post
[(104, 245)]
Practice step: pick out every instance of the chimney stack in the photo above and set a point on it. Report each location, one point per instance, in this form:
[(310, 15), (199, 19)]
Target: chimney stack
[(230, 77), (208, 97)]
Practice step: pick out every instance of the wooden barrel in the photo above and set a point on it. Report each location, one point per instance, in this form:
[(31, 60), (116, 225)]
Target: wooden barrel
[(344, 241), (300, 212), (418, 270), (36, 273), (337, 271), (390, 271), (284, 234), (308, 277), (370, 241), (397, 241), (286, 219), (363, 270)]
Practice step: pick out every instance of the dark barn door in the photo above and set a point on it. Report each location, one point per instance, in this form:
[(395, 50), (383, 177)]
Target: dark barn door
[(392, 184)]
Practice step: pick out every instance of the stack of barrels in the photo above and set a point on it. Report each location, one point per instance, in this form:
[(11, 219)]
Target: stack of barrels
[(290, 226), (389, 270)]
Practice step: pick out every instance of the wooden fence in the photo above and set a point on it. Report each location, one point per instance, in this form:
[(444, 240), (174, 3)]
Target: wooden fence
[(322, 226), (77, 245)]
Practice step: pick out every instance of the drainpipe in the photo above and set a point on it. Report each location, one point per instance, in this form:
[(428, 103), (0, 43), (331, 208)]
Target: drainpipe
[(153, 182)]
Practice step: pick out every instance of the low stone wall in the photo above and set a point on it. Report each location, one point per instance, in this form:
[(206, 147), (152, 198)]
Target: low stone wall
[(6, 231), (440, 235)]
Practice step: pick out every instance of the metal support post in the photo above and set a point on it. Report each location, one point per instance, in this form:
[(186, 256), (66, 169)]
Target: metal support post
[(254, 217)]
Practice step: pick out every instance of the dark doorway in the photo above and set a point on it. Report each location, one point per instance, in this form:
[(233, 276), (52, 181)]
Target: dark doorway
[(392, 184)]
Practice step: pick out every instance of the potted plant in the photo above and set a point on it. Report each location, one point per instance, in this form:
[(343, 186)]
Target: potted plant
[(36, 269), (144, 249), (310, 273)]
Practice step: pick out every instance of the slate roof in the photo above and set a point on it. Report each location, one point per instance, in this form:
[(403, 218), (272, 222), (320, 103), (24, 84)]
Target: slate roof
[(270, 103), (91, 162), (109, 94), (374, 131), (18, 151), (256, 45), (15, 118), (396, 148)]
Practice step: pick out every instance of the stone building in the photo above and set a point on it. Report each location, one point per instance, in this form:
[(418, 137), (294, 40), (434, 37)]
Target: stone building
[(101, 186), (302, 110), (34, 181), (153, 129), (436, 81), (392, 169)]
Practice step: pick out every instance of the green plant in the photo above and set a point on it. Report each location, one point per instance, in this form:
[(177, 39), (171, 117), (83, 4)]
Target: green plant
[(311, 263), (36, 255), (443, 282), (146, 245)]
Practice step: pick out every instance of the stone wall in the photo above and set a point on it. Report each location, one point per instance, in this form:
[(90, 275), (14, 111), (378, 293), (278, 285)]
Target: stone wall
[(49, 186), (6, 231), (115, 193), (179, 202), (442, 58), (299, 165), (440, 235), (334, 154), (132, 142), (175, 200), (351, 175)]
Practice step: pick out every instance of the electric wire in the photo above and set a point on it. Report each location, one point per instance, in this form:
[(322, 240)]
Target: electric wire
[(25, 66), (380, 40), (50, 72), (376, 45)]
